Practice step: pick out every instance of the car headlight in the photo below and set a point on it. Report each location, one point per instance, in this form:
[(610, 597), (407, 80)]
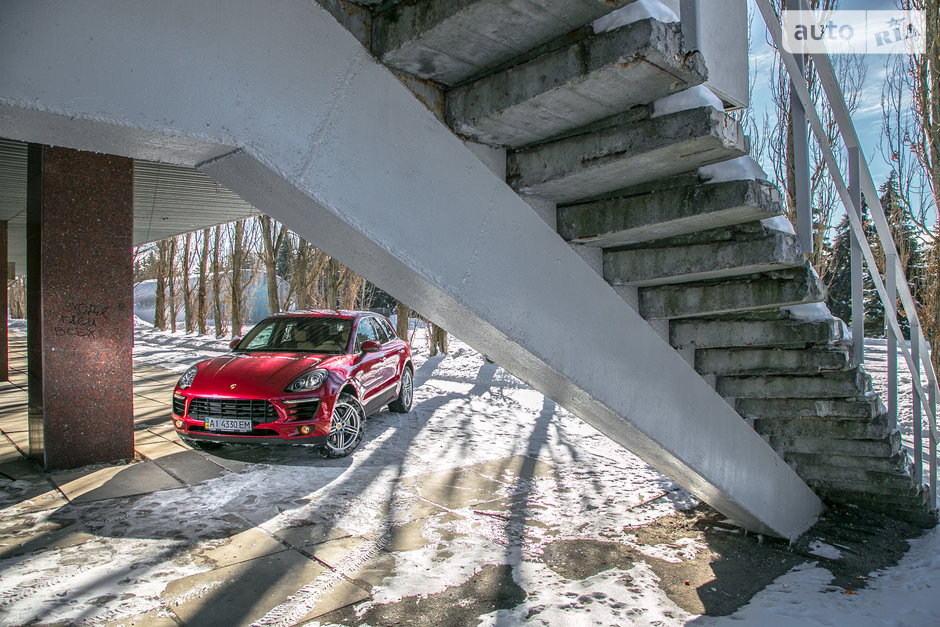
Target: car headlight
[(308, 381), (187, 379)]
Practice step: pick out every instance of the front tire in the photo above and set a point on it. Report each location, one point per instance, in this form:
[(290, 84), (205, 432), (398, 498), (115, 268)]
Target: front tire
[(406, 393), (347, 426)]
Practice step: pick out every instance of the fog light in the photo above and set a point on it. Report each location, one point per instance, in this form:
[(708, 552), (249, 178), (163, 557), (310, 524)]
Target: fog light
[(178, 424), (305, 430)]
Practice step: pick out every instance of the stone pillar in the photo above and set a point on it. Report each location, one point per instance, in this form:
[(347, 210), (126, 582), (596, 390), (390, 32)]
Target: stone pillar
[(4, 340), (80, 305)]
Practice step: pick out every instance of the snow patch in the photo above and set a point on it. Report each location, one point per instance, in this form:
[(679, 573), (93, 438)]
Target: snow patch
[(634, 12), (740, 169), (809, 312), (692, 98), (824, 550), (779, 223)]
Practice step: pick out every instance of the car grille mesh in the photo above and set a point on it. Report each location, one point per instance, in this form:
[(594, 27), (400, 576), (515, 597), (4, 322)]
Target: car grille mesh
[(256, 410), (179, 405)]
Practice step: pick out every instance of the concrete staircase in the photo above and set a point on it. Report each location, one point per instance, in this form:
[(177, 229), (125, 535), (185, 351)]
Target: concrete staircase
[(707, 262)]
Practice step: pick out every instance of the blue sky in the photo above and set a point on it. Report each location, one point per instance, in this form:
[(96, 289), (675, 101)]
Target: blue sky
[(868, 118)]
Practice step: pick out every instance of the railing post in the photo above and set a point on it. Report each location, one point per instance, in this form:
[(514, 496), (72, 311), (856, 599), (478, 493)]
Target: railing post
[(800, 131), (918, 427), (689, 22), (891, 342), (857, 271), (932, 399)]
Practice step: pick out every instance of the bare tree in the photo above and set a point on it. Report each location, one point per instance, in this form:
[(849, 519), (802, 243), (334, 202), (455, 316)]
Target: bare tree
[(202, 311), (778, 133), (187, 287), (403, 313), (162, 270), (272, 238), (171, 282), (911, 143), (220, 327)]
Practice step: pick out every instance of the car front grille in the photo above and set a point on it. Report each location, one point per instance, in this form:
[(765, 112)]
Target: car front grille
[(256, 410), (304, 409), (179, 405)]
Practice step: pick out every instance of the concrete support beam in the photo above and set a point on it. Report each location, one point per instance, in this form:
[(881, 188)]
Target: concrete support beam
[(82, 266), (844, 385), (595, 78), (762, 291), (4, 338), (778, 333), (451, 40), (312, 131), (667, 213), (591, 164), (702, 262), (741, 361)]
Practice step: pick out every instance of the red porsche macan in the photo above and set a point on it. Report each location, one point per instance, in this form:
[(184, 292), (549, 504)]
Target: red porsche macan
[(307, 377)]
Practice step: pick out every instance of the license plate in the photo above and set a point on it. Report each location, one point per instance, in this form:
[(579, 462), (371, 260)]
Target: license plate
[(228, 424)]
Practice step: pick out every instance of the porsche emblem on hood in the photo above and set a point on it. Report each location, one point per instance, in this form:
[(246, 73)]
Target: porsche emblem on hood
[(232, 387)]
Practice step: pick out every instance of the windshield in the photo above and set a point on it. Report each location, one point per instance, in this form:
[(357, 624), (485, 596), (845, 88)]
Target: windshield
[(298, 335)]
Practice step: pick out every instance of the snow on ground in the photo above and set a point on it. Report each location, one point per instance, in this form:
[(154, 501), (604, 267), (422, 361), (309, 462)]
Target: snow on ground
[(466, 412)]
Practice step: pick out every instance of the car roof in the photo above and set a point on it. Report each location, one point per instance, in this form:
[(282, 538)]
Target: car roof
[(324, 313)]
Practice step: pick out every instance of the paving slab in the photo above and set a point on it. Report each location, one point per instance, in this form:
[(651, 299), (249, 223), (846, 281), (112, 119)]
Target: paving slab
[(510, 469), (243, 593), (82, 486), (247, 545), (156, 618), (454, 489), (19, 537), (190, 467), (154, 436), (8, 452), (305, 537), (158, 447)]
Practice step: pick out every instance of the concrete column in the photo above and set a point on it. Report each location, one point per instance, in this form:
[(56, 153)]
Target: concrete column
[(4, 343), (80, 303)]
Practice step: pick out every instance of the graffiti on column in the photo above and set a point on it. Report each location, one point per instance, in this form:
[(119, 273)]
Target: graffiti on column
[(82, 321)]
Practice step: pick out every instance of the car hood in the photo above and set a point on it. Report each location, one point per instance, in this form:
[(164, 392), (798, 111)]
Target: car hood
[(251, 375)]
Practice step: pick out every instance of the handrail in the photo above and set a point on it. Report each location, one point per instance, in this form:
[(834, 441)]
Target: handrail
[(831, 88)]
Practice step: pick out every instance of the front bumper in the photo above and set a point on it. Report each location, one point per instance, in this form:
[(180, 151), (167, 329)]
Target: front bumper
[(280, 420)]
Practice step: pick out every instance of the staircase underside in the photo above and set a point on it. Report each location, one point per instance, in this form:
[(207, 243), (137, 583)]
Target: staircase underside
[(307, 127)]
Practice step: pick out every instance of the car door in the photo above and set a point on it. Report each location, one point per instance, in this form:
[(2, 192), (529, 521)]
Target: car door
[(369, 367)]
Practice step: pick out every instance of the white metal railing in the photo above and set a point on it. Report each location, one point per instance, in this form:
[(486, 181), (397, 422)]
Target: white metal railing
[(895, 285)]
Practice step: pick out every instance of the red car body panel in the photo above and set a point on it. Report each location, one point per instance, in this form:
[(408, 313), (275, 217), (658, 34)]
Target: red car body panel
[(239, 380)]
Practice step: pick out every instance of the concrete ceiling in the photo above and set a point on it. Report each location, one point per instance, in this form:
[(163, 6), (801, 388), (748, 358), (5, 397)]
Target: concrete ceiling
[(168, 200)]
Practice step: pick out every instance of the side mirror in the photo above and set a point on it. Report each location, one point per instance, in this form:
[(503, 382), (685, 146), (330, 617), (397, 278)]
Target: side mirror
[(234, 342), (371, 346)]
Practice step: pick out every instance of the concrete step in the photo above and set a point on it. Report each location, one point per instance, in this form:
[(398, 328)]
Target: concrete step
[(451, 40), (912, 508), (898, 463), (759, 291), (842, 385), (616, 157), (667, 213), (875, 429), (729, 333), (757, 361), (863, 408), (655, 265), (886, 447), (567, 88)]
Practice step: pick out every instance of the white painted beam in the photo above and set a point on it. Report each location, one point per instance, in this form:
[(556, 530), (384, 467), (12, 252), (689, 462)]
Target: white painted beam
[(284, 107)]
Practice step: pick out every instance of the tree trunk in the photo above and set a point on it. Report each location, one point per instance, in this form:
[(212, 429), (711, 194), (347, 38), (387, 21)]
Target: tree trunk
[(159, 307), (187, 288), (271, 245), (402, 312), (171, 279), (202, 312), (217, 283), (332, 284), (438, 340), (238, 262)]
